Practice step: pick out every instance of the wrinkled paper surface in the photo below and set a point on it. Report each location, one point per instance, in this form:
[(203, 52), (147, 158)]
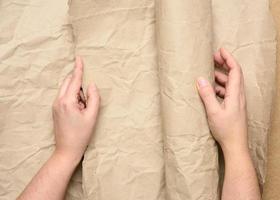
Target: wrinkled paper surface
[(271, 191), (151, 140)]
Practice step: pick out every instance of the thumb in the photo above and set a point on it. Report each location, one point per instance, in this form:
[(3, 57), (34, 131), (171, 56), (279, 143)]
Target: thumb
[(93, 100), (208, 96)]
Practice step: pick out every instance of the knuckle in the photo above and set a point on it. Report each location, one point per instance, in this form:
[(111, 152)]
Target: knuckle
[(63, 104), (213, 113)]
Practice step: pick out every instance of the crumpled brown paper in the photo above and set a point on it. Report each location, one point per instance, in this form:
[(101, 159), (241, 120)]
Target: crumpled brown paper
[(117, 41), (272, 184), (248, 32), (185, 53), (151, 140)]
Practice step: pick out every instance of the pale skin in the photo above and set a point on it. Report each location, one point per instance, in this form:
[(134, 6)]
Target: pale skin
[(73, 125), (74, 121), (228, 124)]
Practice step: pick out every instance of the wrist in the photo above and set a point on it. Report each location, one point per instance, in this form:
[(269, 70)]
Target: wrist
[(67, 157), (237, 145), (235, 151)]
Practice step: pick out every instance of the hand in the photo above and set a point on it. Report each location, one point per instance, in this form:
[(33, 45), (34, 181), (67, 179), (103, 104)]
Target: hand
[(227, 120), (74, 117)]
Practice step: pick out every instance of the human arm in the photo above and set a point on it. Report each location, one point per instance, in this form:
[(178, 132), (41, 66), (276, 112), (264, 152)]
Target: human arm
[(228, 123), (74, 120)]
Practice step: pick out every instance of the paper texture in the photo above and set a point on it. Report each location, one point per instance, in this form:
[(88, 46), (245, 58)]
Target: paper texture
[(151, 140), (185, 53), (248, 32), (272, 184), (36, 53), (117, 41)]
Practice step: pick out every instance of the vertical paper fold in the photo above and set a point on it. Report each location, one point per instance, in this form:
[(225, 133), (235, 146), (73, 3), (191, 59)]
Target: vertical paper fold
[(184, 38), (248, 32), (117, 41)]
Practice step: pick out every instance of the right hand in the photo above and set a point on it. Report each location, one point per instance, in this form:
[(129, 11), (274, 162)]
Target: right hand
[(227, 120)]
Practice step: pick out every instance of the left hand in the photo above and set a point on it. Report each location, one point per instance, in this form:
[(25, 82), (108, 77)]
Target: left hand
[(74, 119)]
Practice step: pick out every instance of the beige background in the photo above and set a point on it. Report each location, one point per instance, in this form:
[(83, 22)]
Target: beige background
[(41, 72), (271, 189)]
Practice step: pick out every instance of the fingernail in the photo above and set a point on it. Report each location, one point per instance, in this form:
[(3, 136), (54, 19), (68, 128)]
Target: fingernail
[(202, 82)]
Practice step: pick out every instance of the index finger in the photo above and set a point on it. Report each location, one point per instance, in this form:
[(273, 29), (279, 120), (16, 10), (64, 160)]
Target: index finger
[(77, 78), (233, 88)]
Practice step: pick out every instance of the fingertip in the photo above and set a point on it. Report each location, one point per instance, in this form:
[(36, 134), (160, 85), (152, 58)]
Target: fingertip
[(92, 87), (218, 58), (204, 87), (223, 49), (76, 78), (224, 53), (92, 92), (78, 58), (202, 82), (79, 62), (93, 100)]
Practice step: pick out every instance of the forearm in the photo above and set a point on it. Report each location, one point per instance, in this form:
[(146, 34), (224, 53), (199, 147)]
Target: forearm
[(240, 182), (52, 179)]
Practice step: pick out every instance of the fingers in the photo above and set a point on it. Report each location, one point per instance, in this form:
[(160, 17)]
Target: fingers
[(220, 77), (76, 80), (219, 61), (220, 91), (234, 82), (228, 59), (208, 96), (224, 59), (234, 76), (92, 101), (221, 82), (81, 105), (64, 86)]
